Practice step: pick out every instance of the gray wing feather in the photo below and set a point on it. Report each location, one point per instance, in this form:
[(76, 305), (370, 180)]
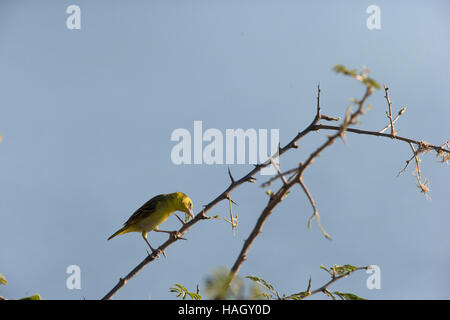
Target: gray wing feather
[(145, 210)]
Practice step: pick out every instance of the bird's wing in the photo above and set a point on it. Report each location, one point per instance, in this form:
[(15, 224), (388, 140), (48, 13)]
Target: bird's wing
[(147, 209)]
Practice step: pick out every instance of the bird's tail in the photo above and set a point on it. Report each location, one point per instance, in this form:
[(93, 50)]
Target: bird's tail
[(119, 232)]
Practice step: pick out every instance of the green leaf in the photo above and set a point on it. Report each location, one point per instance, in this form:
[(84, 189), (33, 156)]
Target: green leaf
[(345, 269), (367, 81), (256, 293), (220, 286), (298, 296), (347, 296), (182, 292), (33, 297), (339, 68), (325, 268), (266, 295), (3, 280), (262, 282), (371, 83), (194, 296)]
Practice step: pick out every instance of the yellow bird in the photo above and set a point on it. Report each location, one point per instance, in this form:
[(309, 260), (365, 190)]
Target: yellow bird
[(154, 212)]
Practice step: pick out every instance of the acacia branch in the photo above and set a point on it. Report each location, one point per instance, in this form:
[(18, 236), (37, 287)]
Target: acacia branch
[(380, 134), (325, 287), (389, 112), (402, 110), (282, 192), (315, 211), (224, 195), (276, 198)]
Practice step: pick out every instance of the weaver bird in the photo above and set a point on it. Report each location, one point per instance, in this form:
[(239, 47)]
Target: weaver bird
[(154, 212)]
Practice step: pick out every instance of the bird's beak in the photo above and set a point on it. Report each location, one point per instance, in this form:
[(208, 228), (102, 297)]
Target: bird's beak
[(191, 213)]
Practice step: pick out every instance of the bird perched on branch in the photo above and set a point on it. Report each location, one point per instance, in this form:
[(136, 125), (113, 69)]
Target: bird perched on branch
[(154, 212)]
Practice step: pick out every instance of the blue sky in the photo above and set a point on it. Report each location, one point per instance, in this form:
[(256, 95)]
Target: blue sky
[(87, 115)]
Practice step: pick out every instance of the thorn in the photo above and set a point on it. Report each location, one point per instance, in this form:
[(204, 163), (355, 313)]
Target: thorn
[(229, 198), (231, 177), (176, 235), (328, 118), (251, 179), (309, 286), (318, 101), (182, 222)]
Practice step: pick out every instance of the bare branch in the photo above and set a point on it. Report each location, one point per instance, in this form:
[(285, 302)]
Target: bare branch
[(402, 110), (389, 113), (380, 134), (324, 288), (315, 211), (274, 200)]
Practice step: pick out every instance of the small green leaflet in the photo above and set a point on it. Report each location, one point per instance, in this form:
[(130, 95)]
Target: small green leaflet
[(183, 292)]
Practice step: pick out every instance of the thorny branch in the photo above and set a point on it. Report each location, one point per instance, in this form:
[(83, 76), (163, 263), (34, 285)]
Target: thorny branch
[(277, 197), (324, 288), (202, 215), (389, 112), (297, 172)]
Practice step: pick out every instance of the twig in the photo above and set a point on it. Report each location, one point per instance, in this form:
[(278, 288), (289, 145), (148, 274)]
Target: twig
[(278, 170), (233, 220), (315, 211), (421, 185), (402, 110), (257, 229), (380, 134), (324, 288), (389, 113)]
